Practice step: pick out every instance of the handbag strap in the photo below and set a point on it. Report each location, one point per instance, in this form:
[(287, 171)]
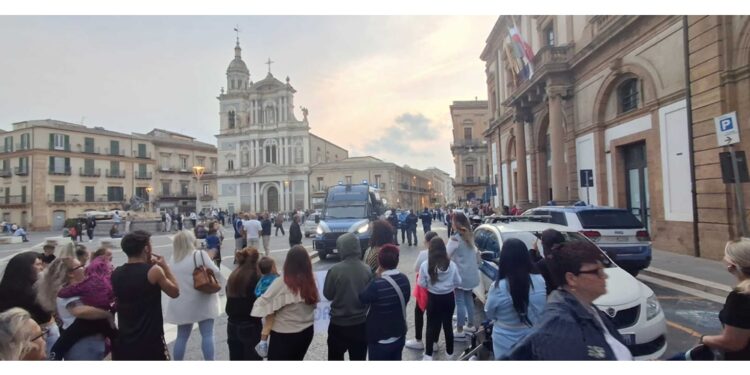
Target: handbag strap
[(398, 291), (203, 262)]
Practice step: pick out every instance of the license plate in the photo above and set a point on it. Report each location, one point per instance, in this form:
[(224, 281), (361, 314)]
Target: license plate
[(629, 338), (623, 238), (334, 251)]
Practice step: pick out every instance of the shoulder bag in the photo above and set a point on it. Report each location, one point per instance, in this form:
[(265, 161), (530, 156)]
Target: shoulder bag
[(204, 279)]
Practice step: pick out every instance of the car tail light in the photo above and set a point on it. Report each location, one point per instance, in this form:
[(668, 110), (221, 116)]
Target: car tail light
[(643, 236), (592, 235)]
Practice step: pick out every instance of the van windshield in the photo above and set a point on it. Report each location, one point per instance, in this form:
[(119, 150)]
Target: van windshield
[(345, 212)]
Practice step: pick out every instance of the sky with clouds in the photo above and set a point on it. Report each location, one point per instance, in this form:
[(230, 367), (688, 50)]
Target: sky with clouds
[(376, 85)]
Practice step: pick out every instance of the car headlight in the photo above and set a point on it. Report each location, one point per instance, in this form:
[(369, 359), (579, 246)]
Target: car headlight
[(319, 230), (363, 228), (652, 307)]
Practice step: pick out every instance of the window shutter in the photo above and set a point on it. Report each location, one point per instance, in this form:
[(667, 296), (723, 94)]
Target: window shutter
[(67, 143), (51, 141), (51, 163), (67, 165)]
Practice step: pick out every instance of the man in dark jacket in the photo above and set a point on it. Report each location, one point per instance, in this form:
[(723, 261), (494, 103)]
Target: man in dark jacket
[(393, 220), (411, 227), (344, 281), (90, 225), (426, 217), (265, 233), (279, 223), (295, 233)]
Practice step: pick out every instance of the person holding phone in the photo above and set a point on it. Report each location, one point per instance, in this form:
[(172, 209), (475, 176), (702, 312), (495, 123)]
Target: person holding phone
[(138, 285)]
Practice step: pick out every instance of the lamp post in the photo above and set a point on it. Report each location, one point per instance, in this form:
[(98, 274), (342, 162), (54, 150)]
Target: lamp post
[(198, 171), (149, 189)]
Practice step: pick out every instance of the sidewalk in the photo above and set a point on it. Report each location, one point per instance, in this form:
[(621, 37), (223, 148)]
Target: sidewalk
[(706, 275)]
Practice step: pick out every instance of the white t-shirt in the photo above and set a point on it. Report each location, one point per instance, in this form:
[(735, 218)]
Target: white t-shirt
[(253, 228), (62, 310), (622, 353)]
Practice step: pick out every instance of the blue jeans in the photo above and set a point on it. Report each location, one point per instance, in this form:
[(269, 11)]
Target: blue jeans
[(386, 352), (89, 348), (206, 328), (464, 307)]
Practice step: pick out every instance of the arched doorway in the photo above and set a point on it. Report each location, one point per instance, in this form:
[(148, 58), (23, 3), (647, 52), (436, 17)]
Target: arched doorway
[(273, 199)]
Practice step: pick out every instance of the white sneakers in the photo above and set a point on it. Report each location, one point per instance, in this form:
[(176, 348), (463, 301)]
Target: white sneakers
[(419, 345), (459, 336), (427, 357), (450, 357)]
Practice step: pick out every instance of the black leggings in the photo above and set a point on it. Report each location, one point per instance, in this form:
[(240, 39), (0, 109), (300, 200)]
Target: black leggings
[(290, 346), (418, 322), (440, 314)]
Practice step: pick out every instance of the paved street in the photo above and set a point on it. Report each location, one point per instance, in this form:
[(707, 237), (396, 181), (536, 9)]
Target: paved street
[(688, 316)]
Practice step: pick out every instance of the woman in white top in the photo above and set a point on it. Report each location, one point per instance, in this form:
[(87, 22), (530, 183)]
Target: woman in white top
[(439, 275), (461, 250), (192, 306)]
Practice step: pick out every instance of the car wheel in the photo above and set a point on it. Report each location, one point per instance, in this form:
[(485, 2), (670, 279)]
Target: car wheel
[(322, 254)]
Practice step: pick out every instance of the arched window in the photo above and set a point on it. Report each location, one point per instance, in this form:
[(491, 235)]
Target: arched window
[(627, 95), (231, 119), (271, 154), (230, 165), (245, 158)]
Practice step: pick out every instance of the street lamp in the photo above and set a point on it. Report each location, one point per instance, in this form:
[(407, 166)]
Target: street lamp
[(198, 171), (149, 189)]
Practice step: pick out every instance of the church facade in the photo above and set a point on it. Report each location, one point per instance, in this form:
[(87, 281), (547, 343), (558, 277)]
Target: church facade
[(264, 151)]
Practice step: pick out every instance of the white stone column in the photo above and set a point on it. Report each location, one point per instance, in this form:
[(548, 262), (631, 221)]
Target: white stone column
[(259, 152), (283, 153), (255, 196), (282, 195), (307, 192)]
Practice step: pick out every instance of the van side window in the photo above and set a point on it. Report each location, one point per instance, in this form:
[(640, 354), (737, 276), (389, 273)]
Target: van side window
[(559, 218)]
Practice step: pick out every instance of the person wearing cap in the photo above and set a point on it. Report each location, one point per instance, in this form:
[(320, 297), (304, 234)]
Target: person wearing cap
[(347, 330)]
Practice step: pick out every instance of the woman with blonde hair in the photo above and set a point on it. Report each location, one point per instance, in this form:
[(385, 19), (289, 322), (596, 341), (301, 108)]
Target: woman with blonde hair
[(21, 338), (734, 339), (60, 273), (461, 251), (192, 306)]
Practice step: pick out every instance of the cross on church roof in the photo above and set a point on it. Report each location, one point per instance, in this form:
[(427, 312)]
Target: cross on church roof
[(269, 62), (237, 30)]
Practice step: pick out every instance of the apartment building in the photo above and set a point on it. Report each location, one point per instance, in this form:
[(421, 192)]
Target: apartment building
[(469, 149)]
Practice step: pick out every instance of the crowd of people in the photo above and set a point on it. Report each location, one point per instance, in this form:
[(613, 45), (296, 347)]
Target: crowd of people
[(62, 303)]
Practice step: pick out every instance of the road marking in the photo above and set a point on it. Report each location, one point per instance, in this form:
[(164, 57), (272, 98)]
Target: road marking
[(683, 329), (679, 298)]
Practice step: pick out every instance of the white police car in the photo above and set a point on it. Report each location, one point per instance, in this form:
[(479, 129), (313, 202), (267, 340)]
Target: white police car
[(632, 305)]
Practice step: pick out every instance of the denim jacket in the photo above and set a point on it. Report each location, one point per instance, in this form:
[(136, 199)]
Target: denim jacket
[(567, 332)]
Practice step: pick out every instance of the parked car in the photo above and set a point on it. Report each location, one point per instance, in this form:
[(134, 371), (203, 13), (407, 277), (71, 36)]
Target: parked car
[(632, 305), (311, 224), (615, 230)]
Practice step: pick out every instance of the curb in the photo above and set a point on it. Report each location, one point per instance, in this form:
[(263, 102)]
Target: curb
[(710, 287)]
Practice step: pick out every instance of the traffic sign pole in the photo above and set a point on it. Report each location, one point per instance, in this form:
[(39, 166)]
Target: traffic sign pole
[(738, 192)]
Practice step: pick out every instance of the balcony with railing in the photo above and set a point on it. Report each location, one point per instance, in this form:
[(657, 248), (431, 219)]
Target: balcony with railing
[(90, 172), (141, 155), (23, 146), (13, 200), (167, 169), (189, 194), (91, 150), (6, 173), (60, 171), (115, 174), (468, 143), (206, 197), (83, 198), (22, 171), (114, 152), (476, 180), (143, 175)]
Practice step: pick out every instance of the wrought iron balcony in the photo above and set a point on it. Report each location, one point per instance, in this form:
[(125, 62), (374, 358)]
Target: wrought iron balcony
[(13, 200), (114, 152), (206, 197), (90, 172), (143, 176), (22, 171), (6, 173), (115, 174), (60, 171)]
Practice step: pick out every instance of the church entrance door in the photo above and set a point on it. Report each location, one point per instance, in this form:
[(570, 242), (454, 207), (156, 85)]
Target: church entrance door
[(273, 199)]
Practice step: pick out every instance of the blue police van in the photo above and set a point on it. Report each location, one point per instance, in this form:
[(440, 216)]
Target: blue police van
[(348, 209)]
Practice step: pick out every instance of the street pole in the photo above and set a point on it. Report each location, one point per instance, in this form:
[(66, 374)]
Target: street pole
[(738, 192)]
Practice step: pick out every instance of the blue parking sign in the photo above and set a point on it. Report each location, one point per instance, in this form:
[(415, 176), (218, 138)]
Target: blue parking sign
[(726, 124)]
